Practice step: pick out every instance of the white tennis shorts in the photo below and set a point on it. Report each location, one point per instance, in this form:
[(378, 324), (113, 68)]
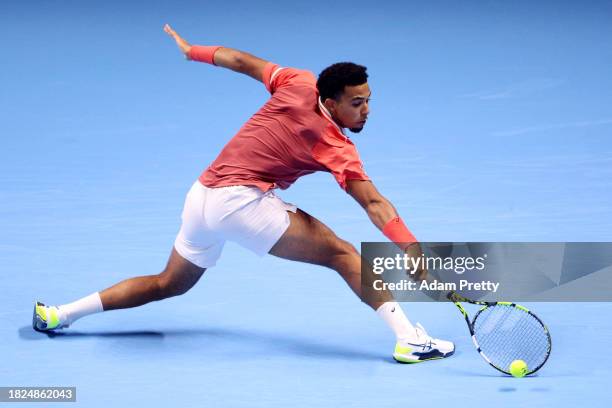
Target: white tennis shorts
[(243, 214)]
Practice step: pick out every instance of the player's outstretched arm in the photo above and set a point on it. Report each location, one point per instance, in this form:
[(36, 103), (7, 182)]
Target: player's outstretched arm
[(235, 60), (385, 217), (379, 209)]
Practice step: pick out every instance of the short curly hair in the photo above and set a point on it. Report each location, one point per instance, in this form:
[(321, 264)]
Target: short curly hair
[(334, 78)]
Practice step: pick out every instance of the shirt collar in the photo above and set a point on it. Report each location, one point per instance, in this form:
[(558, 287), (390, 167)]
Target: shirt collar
[(328, 116)]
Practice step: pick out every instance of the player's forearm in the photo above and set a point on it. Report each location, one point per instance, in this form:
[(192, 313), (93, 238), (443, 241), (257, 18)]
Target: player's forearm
[(238, 61), (385, 217), (380, 212)]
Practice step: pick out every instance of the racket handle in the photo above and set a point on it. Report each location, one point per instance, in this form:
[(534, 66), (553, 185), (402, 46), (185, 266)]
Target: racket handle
[(455, 297)]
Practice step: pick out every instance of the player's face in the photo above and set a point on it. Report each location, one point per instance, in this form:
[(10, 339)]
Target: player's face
[(351, 110)]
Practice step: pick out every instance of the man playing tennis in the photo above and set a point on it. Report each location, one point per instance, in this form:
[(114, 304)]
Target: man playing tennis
[(298, 131)]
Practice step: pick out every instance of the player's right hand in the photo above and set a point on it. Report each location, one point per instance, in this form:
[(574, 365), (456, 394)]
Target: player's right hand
[(420, 273), (183, 45)]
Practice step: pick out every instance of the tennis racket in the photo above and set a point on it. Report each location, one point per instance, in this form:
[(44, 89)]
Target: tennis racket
[(503, 332)]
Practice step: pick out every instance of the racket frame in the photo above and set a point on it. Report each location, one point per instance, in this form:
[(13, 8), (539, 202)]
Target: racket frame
[(458, 299)]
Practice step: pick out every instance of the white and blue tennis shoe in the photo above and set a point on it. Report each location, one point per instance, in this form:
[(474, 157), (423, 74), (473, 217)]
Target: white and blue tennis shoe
[(422, 347)]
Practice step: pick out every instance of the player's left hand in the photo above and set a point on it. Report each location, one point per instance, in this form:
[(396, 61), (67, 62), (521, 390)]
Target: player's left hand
[(183, 45)]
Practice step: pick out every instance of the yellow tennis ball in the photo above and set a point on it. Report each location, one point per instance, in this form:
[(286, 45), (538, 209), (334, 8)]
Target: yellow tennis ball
[(518, 368)]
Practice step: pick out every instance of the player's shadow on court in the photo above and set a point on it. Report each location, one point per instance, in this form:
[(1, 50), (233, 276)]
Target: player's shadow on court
[(272, 343), (27, 333), (275, 343)]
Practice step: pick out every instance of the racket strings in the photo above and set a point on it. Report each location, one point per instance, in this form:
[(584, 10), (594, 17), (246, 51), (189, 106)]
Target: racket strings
[(506, 333)]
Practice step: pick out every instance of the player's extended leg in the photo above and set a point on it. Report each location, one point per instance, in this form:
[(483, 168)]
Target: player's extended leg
[(309, 240), (177, 278)]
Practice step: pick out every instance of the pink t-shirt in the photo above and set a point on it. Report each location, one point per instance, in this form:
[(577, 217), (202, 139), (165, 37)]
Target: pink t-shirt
[(290, 136)]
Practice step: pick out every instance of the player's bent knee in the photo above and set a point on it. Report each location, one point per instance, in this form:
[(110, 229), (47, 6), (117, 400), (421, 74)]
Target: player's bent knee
[(343, 253), (345, 248), (170, 287)]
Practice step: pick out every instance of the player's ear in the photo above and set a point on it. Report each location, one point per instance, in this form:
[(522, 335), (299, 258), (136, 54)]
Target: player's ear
[(330, 104)]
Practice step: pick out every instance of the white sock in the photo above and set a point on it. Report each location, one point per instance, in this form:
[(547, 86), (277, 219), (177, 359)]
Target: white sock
[(72, 312), (394, 316)]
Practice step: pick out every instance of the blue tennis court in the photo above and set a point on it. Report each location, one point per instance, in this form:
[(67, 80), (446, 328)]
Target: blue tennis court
[(490, 121)]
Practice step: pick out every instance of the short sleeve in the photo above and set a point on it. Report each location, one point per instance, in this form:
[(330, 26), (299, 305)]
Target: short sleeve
[(341, 159), (275, 77)]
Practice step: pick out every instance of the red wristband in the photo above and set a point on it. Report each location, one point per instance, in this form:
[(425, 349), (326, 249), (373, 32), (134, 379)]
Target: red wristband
[(203, 53), (397, 232)]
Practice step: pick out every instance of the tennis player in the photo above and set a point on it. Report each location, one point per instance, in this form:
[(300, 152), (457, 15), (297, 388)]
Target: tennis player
[(298, 131)]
